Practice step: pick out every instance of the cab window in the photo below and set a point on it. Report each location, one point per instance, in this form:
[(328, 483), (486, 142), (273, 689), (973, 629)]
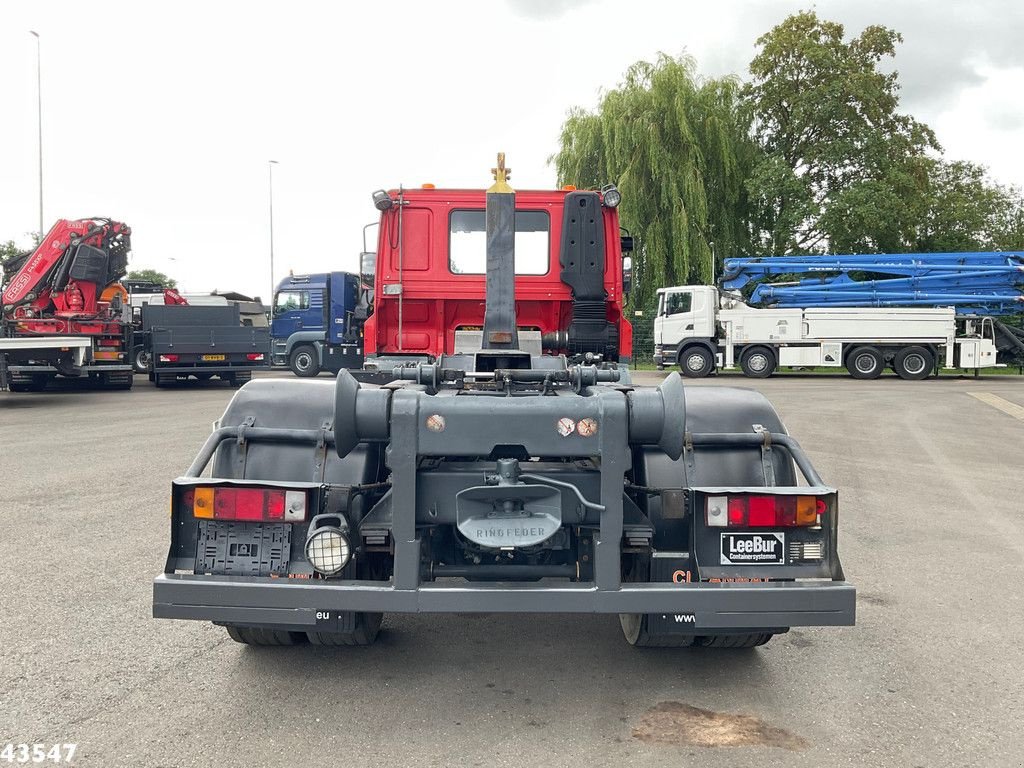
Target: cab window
[(288, 301), (467, 243), (678, 303)]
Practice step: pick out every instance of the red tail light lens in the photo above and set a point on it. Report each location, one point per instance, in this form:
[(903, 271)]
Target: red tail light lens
[(255, 357), (764, 511), (251, 505), (738, 510), (168, 358)]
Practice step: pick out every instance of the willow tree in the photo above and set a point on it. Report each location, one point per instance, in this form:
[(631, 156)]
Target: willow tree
[(678, 147)]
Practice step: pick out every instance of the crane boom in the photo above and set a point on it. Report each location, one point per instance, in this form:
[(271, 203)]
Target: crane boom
[(990, 283)]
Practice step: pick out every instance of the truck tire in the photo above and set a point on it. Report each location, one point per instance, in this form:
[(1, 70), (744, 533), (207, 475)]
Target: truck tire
[(238, 379), (118, 381), (734, 641), (263, 636), (141, 358), (162, 380), (367, 626), (35, 382), (865, 363), (696, 362), (303, 361), (638, 634), (913, 363), (758, 362), (636, 627)]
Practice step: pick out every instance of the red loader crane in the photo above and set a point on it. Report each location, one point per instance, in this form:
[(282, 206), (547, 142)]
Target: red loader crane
[(64, 311)]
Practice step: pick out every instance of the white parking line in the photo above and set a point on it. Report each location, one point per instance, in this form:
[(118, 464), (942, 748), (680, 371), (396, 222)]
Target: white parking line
[(1011, 409)]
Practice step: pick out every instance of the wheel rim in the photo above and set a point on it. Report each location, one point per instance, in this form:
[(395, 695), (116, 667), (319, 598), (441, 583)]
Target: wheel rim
[(142, 359), (866, 363), (303, 361), (695, 363), (914, 363), (758, 362)]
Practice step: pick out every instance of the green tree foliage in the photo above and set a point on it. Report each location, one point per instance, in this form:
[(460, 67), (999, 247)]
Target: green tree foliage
[(153, 276), (9, 250), (678, 147), (11, 259), (842, 170)]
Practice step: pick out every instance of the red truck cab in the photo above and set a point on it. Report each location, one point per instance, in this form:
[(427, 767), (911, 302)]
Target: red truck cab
[(429, 277)]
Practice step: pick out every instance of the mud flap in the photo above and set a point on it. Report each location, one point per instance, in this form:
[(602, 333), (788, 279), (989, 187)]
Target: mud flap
[(675, 568)]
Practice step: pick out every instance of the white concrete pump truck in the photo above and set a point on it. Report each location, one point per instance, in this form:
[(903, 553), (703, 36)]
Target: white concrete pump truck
[(702, 329)]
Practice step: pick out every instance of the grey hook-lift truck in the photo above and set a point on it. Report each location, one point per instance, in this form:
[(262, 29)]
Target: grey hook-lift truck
[(496, 480)]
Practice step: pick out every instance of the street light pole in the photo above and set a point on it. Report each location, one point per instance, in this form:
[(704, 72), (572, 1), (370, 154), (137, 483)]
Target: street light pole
[(39, 92), (270, 169)]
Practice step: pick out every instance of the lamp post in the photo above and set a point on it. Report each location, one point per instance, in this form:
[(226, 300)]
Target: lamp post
[(39, 92), (270, 170)]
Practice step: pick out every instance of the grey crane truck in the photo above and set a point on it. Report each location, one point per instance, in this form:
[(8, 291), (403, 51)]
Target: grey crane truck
[(501, 479)]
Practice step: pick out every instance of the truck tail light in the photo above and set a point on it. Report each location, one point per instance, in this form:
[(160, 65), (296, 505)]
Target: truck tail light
[(168, 358), (764, 511), (254, 505), (255, 357)]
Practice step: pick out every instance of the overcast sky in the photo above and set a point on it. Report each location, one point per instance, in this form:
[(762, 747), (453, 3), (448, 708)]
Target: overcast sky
[(163, 115)]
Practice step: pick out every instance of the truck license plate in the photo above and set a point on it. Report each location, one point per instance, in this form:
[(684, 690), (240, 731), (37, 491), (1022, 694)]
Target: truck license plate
[(213, 358), (754, 548)]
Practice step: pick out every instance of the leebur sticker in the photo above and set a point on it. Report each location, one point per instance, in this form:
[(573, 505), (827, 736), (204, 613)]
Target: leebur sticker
[(753, 549)]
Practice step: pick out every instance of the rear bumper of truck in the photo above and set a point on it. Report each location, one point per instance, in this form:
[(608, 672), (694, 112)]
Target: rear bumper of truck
[(298, 603), (186, 369), (79, 370)]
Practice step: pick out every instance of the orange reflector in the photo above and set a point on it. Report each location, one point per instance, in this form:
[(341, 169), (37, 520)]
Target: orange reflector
[(569, 188), (202, 503), (105, 355), (428, 186), (806, 510)]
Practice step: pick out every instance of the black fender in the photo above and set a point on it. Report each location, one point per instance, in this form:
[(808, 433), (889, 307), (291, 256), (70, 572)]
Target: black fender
[(291, 404), (711, 410)]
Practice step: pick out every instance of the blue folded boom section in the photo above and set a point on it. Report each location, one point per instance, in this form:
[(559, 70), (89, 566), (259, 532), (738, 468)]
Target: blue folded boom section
[(990, 283)]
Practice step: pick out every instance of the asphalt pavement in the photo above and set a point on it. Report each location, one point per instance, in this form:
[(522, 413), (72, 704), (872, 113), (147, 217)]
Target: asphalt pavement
[(931, 531)]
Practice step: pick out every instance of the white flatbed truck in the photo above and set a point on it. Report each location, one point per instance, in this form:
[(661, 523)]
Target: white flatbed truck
[(703, 330), (14, 349)]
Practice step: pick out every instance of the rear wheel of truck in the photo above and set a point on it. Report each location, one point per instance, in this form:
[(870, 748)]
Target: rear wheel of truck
[(364, 632), (696, 362), (119, 380), (35, 382), (913, 363), (751, 640), (865, 363), (238, 379), (638, 633), (758, 362), (636, 626), (262, 636), (303, 361), (162, 380), (141, 358)]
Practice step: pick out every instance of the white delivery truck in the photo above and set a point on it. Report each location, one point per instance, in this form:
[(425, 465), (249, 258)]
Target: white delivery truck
[(701, 330)]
